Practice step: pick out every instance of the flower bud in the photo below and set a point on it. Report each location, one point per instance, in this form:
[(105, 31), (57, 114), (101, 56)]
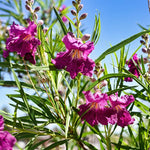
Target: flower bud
[(37, 9), (76, 24), (40, 22), (28, 7), (56, 98), (144, 50), (102, 70), (80, 7), (45, 30), (145, 60), (31, 1), (73, 12), (142, 42), (95, 72), (36, 16), (71, 34), (92, 79), (104, 83), (28, 3), (86, 37), (78, 1), (148, 50), (74, 3), (83, 16)]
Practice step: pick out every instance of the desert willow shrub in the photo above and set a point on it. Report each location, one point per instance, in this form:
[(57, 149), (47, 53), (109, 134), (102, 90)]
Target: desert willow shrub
[(73, 97)]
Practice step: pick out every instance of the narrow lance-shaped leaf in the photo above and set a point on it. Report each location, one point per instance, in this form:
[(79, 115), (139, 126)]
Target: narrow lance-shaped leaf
[(119, 45), (116, 75), (24, 97), (97, 30), (61, 22)]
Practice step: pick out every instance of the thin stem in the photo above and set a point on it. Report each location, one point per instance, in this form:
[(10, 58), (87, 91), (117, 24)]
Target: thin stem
[(107, 136), (77, 98), (78, 90), (30, 78), (77, 18)]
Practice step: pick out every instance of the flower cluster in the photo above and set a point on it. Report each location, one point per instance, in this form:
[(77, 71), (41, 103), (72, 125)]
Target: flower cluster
[(22, 40), (104, 109), (132, 68), (75, 58), (7, 141)]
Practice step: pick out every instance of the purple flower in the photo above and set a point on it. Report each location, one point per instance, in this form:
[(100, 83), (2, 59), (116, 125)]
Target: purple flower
[(117, 113), (132, 68), (1, 123), (64, 19), (7, 141), (63, 7), (75, 58), (95, 108), (104, 109), (22, 40)]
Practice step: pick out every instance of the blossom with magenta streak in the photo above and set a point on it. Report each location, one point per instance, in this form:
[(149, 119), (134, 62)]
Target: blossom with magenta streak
[(22, 40), (94, 109), (1, 123), (7, 141), (75, 58), (104, 109), (118, 113), (132, 68)]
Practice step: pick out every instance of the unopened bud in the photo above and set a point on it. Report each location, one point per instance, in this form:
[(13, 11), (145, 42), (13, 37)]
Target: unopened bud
[(71, 34), (103, 83), (77, 25), (148, 50), (73, 12), (28, 7), (83, 16), (95, 72), (78, 1), (56, 98), (144, 50), (31, 1), (45, 30), (145, 36), (145, 60), (74, 3), (80, 7), (142, 42), (92, 79), (27, 2), (37, 9), (36, 16), (86, 37), (40, 22), (102, 70)]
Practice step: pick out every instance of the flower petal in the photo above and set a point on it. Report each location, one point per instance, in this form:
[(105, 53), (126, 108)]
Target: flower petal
[(89, 64)]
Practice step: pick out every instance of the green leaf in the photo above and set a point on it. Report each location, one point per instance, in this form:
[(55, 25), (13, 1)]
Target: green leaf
[(38, 144), (97, 30), (23, 95), (119, 45), (61, 22), (56, 144), (23, 84), (89, 145), (67, 123), (116, 75)]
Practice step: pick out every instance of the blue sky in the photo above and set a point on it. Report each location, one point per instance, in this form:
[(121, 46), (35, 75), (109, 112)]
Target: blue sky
[(119, 19)]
